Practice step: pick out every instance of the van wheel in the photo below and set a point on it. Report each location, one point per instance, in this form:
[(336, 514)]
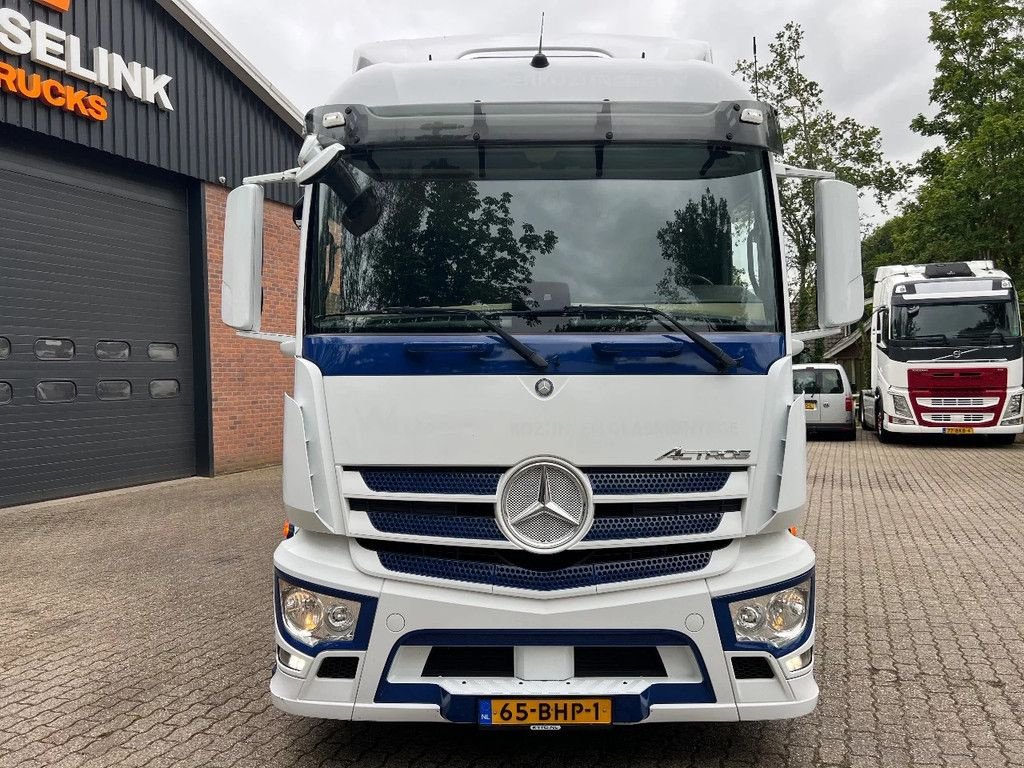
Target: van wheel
[(883, 436)]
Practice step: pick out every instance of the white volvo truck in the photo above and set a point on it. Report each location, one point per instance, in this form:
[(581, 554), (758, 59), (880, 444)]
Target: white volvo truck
[(945, 353), (543, 454)]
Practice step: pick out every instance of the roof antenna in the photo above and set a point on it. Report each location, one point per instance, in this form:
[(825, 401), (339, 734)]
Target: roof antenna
[(757, 85), (539, 60)]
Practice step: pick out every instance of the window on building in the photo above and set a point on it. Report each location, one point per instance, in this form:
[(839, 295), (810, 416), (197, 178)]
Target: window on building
[(113, 350), (163, 353), (54, 349), (114, 390), (163, 389), (56, 391)]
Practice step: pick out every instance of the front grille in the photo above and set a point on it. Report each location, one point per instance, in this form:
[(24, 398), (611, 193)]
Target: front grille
[(338, 668), (958, 418), (523, 570), (752, 668), (957, 402), (623, 661), (470, 661), (618, 521), (484, 482)]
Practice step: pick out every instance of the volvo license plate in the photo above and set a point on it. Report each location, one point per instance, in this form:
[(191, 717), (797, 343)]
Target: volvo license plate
[(958, 430), (534, 712)]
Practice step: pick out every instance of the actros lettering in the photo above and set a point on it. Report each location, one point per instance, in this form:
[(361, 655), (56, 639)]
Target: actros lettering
[(681, 454)]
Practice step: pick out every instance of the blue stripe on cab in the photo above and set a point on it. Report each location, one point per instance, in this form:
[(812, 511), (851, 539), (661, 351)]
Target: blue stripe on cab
[(569, 354)]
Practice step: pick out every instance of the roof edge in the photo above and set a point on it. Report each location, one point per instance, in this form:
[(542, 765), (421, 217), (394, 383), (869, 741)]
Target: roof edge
[(185, 14)]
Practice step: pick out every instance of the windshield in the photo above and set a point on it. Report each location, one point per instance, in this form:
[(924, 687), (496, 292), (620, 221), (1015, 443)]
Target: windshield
[(520, 233), (951, 324)]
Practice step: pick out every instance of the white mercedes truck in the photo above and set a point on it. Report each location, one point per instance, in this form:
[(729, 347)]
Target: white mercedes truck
[(945, 353), (543, 457)]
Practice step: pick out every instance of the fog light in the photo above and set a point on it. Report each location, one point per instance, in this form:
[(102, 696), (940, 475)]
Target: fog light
[(898, 420), (801, 661), (1013, 422), (290, 660)]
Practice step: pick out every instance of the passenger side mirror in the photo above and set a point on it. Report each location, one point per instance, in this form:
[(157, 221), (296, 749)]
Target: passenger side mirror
[(241, 292), (837, 234)]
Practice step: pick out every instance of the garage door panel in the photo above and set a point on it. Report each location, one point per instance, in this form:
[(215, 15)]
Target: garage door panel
[(93, 257)]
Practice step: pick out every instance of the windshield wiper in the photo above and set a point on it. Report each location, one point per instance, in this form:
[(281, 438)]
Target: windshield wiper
[(530, 355), (723, 361)]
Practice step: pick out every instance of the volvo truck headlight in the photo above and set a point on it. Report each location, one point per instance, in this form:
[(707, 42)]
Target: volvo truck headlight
[(776, 619), (899, 403), (314, 618), (1013, 409)]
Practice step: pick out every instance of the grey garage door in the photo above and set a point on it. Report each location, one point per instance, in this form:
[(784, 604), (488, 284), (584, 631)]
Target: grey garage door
[(96, 380)]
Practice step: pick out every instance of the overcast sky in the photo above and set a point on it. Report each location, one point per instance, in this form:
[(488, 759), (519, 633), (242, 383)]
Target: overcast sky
[(872, 57)]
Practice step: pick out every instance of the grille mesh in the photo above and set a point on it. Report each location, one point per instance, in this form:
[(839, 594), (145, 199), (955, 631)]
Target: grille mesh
[(484, 482), (570, 577)]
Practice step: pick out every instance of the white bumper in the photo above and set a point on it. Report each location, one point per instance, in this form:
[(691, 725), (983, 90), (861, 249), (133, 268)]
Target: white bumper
[(679, 619)]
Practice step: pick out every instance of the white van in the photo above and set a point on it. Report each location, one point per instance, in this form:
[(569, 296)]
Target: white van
[(828, 399)]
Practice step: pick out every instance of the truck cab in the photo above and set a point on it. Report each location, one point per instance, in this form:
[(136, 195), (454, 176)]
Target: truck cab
[(543, 457), (945, 352)]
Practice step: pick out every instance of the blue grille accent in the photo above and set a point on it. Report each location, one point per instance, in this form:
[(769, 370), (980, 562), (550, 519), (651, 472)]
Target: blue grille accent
[(475, 482), (484, 482), (564, 578), (612, 528), (445, 526), (626, 482)]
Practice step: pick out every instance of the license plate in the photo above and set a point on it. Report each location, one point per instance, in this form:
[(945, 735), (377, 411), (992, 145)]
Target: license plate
[(811, 406), (527, 712), (958, 430)]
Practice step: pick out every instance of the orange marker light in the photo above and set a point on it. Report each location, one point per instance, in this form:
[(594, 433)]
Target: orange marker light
[(288, 530), (795, 531)]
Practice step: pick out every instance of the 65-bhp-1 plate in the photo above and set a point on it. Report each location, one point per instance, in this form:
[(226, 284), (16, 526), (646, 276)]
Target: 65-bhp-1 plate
[(526, 712)]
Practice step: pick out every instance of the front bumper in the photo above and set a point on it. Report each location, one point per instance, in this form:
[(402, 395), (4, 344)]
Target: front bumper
[(917, 429), (408, 619)]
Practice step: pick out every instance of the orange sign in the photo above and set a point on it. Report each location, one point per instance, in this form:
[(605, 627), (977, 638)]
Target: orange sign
[(53, 92), (57, 5)]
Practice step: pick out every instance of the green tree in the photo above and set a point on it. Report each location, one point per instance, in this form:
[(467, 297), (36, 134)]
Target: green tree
[(969, 202), (441, 243), (697, 244), (815, 137)]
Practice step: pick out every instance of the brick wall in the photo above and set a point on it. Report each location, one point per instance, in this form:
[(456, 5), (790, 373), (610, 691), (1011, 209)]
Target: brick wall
[(251, 377)]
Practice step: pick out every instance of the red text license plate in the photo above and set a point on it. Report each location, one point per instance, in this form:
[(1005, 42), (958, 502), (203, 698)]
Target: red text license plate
[(545, 712)]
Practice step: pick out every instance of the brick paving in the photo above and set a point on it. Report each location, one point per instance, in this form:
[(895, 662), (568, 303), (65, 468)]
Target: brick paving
[(135, 630)]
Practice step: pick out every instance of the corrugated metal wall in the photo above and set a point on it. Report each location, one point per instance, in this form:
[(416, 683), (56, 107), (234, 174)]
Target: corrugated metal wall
[(218, 128)]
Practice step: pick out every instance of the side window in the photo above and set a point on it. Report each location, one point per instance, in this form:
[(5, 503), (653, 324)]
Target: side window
[(163, 353), (110, 351), (56, 391), (5, 347), (831, 383), (54, 349), (164, 389)]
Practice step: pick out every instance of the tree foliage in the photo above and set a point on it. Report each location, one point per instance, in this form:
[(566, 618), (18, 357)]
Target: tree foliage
[(815, 137), (441, 243), (972, 186), (697, 244)]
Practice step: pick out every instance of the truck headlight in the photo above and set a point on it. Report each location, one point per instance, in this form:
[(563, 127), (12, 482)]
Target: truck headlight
[(776, 619), (1013, 409), (314, 618), (899, 402)]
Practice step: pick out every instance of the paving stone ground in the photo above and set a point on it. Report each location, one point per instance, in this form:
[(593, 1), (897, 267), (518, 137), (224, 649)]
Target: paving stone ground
[(135, 630)]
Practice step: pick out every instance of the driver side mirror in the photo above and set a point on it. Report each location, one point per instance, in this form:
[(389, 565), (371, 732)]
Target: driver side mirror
[(882, 332), (837, 235)]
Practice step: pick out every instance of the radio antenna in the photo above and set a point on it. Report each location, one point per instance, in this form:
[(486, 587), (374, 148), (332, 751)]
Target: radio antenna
[(757, 85), (539, 60)]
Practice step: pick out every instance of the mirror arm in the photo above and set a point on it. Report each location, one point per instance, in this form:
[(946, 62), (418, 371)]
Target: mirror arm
[(818, 333), (282, 177), (784, 171)]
